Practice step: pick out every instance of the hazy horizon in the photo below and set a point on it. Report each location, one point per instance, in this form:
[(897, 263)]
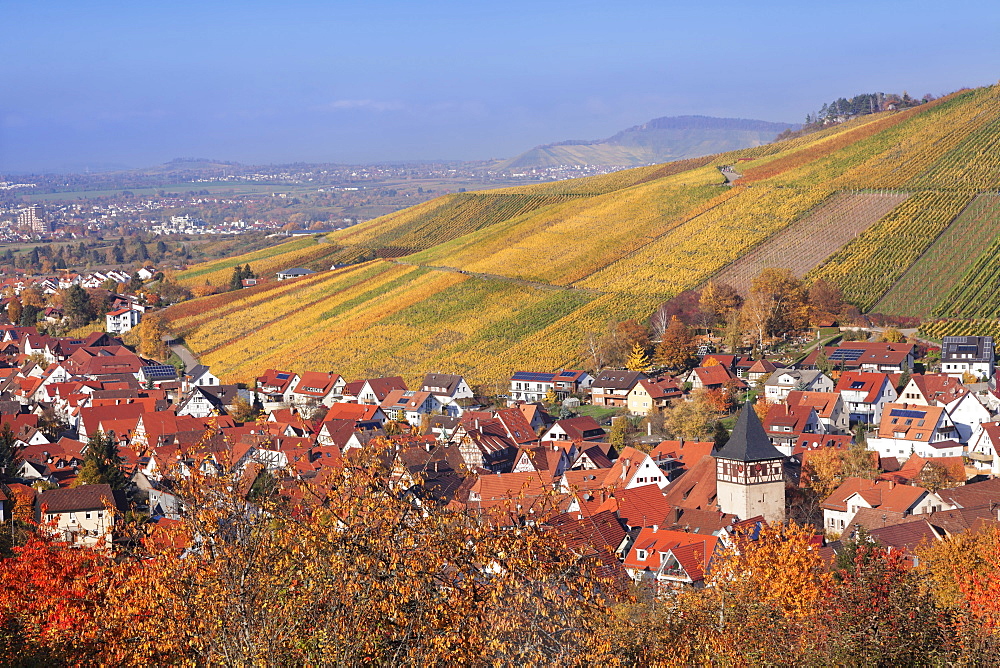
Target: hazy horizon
[(104, 85)]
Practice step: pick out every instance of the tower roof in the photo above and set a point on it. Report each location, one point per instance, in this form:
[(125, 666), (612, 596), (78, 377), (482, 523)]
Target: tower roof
[(749, 441)]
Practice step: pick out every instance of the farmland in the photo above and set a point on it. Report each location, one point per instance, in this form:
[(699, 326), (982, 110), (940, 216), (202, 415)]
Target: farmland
[(894, 208)]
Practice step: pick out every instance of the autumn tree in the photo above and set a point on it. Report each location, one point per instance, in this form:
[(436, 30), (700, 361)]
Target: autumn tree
[(777, 303), (151, 330), (718, 302), (677, 349), (32, 296), (691, 420), (892, 335), (637, 360), (825, 299), (14, 310)]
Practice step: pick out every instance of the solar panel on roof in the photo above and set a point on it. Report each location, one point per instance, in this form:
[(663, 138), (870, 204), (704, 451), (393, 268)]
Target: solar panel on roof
[(846, 354), (899, 412), (857, 384), (159, 371), (533, 376), (567, 374), (282, 376)]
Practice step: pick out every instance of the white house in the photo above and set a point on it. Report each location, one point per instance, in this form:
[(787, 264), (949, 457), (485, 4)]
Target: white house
[(122, 320), (783, 381), (906, 429), (865, 394), (967, 354)]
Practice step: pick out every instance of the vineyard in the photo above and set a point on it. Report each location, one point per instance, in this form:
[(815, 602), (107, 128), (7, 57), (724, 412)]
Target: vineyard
[(938, 329), (899, 209), (812, 239), (868, 266), (571, 242), (689, 253), (265, 263), (945, 264)]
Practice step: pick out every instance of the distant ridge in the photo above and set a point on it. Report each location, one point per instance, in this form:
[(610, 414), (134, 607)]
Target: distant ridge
[(660, 140)]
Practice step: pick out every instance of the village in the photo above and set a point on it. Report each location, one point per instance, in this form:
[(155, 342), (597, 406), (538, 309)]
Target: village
[(856, 437)]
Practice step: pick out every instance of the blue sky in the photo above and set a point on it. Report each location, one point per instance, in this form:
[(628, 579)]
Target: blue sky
[(136, 84)]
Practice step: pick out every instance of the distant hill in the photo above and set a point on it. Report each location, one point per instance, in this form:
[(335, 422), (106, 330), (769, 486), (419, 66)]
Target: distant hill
[(900, 209), (660, 140)]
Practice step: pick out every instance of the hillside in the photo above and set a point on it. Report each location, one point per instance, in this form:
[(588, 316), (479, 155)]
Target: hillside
[(659, 140), (898, 208)]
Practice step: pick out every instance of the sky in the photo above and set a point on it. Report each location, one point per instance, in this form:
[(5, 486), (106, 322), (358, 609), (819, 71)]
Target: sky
[(96, 85)]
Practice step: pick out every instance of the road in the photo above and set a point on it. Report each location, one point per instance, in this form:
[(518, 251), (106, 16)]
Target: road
[(181, 351)]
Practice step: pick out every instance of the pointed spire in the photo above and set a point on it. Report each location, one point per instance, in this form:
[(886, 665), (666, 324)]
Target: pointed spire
[(749, 441)]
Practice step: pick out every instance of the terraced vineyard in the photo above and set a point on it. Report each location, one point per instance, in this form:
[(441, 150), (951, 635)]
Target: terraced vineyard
[(928, 281), (868, 266), (296, 253), (900, 209), (809, 241)]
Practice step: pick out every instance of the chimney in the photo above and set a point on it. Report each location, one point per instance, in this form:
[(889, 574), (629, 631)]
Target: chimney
[(655, 528)]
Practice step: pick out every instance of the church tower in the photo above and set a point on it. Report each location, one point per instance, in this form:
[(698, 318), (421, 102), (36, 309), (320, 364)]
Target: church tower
[(748, 472)]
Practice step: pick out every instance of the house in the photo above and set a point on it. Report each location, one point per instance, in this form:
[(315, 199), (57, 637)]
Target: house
[(886, 495), (449, 390), (612, 387), (829, 407), (376, 390), (319, 388), (201, 376), (783, 381), (294, 272), (715, 377), (530, 386), (652, 393), (410, 406), (906, 429), (761, 369), (878, 356), (583, 428), (986, 447), (786, 423), (82, 515), (659, 557), (277, 386), (865, 394), (967, 354), (122, 320), (932, 389)]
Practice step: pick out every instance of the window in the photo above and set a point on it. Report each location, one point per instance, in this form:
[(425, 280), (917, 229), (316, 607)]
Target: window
[(87, 515), (640, 554)]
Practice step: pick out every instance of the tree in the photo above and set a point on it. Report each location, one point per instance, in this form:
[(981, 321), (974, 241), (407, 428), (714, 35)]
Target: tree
[(248, 272), (244, 411), (32, 296), (29, 315), (823, 362), (777, 303), (892, 335), (718, 302), (102, 464), (236, 282), (77, 306), (551, 397), (720, 435), (14, 311), (10, 459), (677, 349), (151, 331), (638, 360), (691, 420), (825, 299)]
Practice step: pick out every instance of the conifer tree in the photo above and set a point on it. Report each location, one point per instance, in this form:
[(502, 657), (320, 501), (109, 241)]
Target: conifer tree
[(9, 458), (236, 282), (102, 464), (638, 360)]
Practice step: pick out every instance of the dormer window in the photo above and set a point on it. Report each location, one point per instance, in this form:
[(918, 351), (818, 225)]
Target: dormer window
[(640, 555)]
